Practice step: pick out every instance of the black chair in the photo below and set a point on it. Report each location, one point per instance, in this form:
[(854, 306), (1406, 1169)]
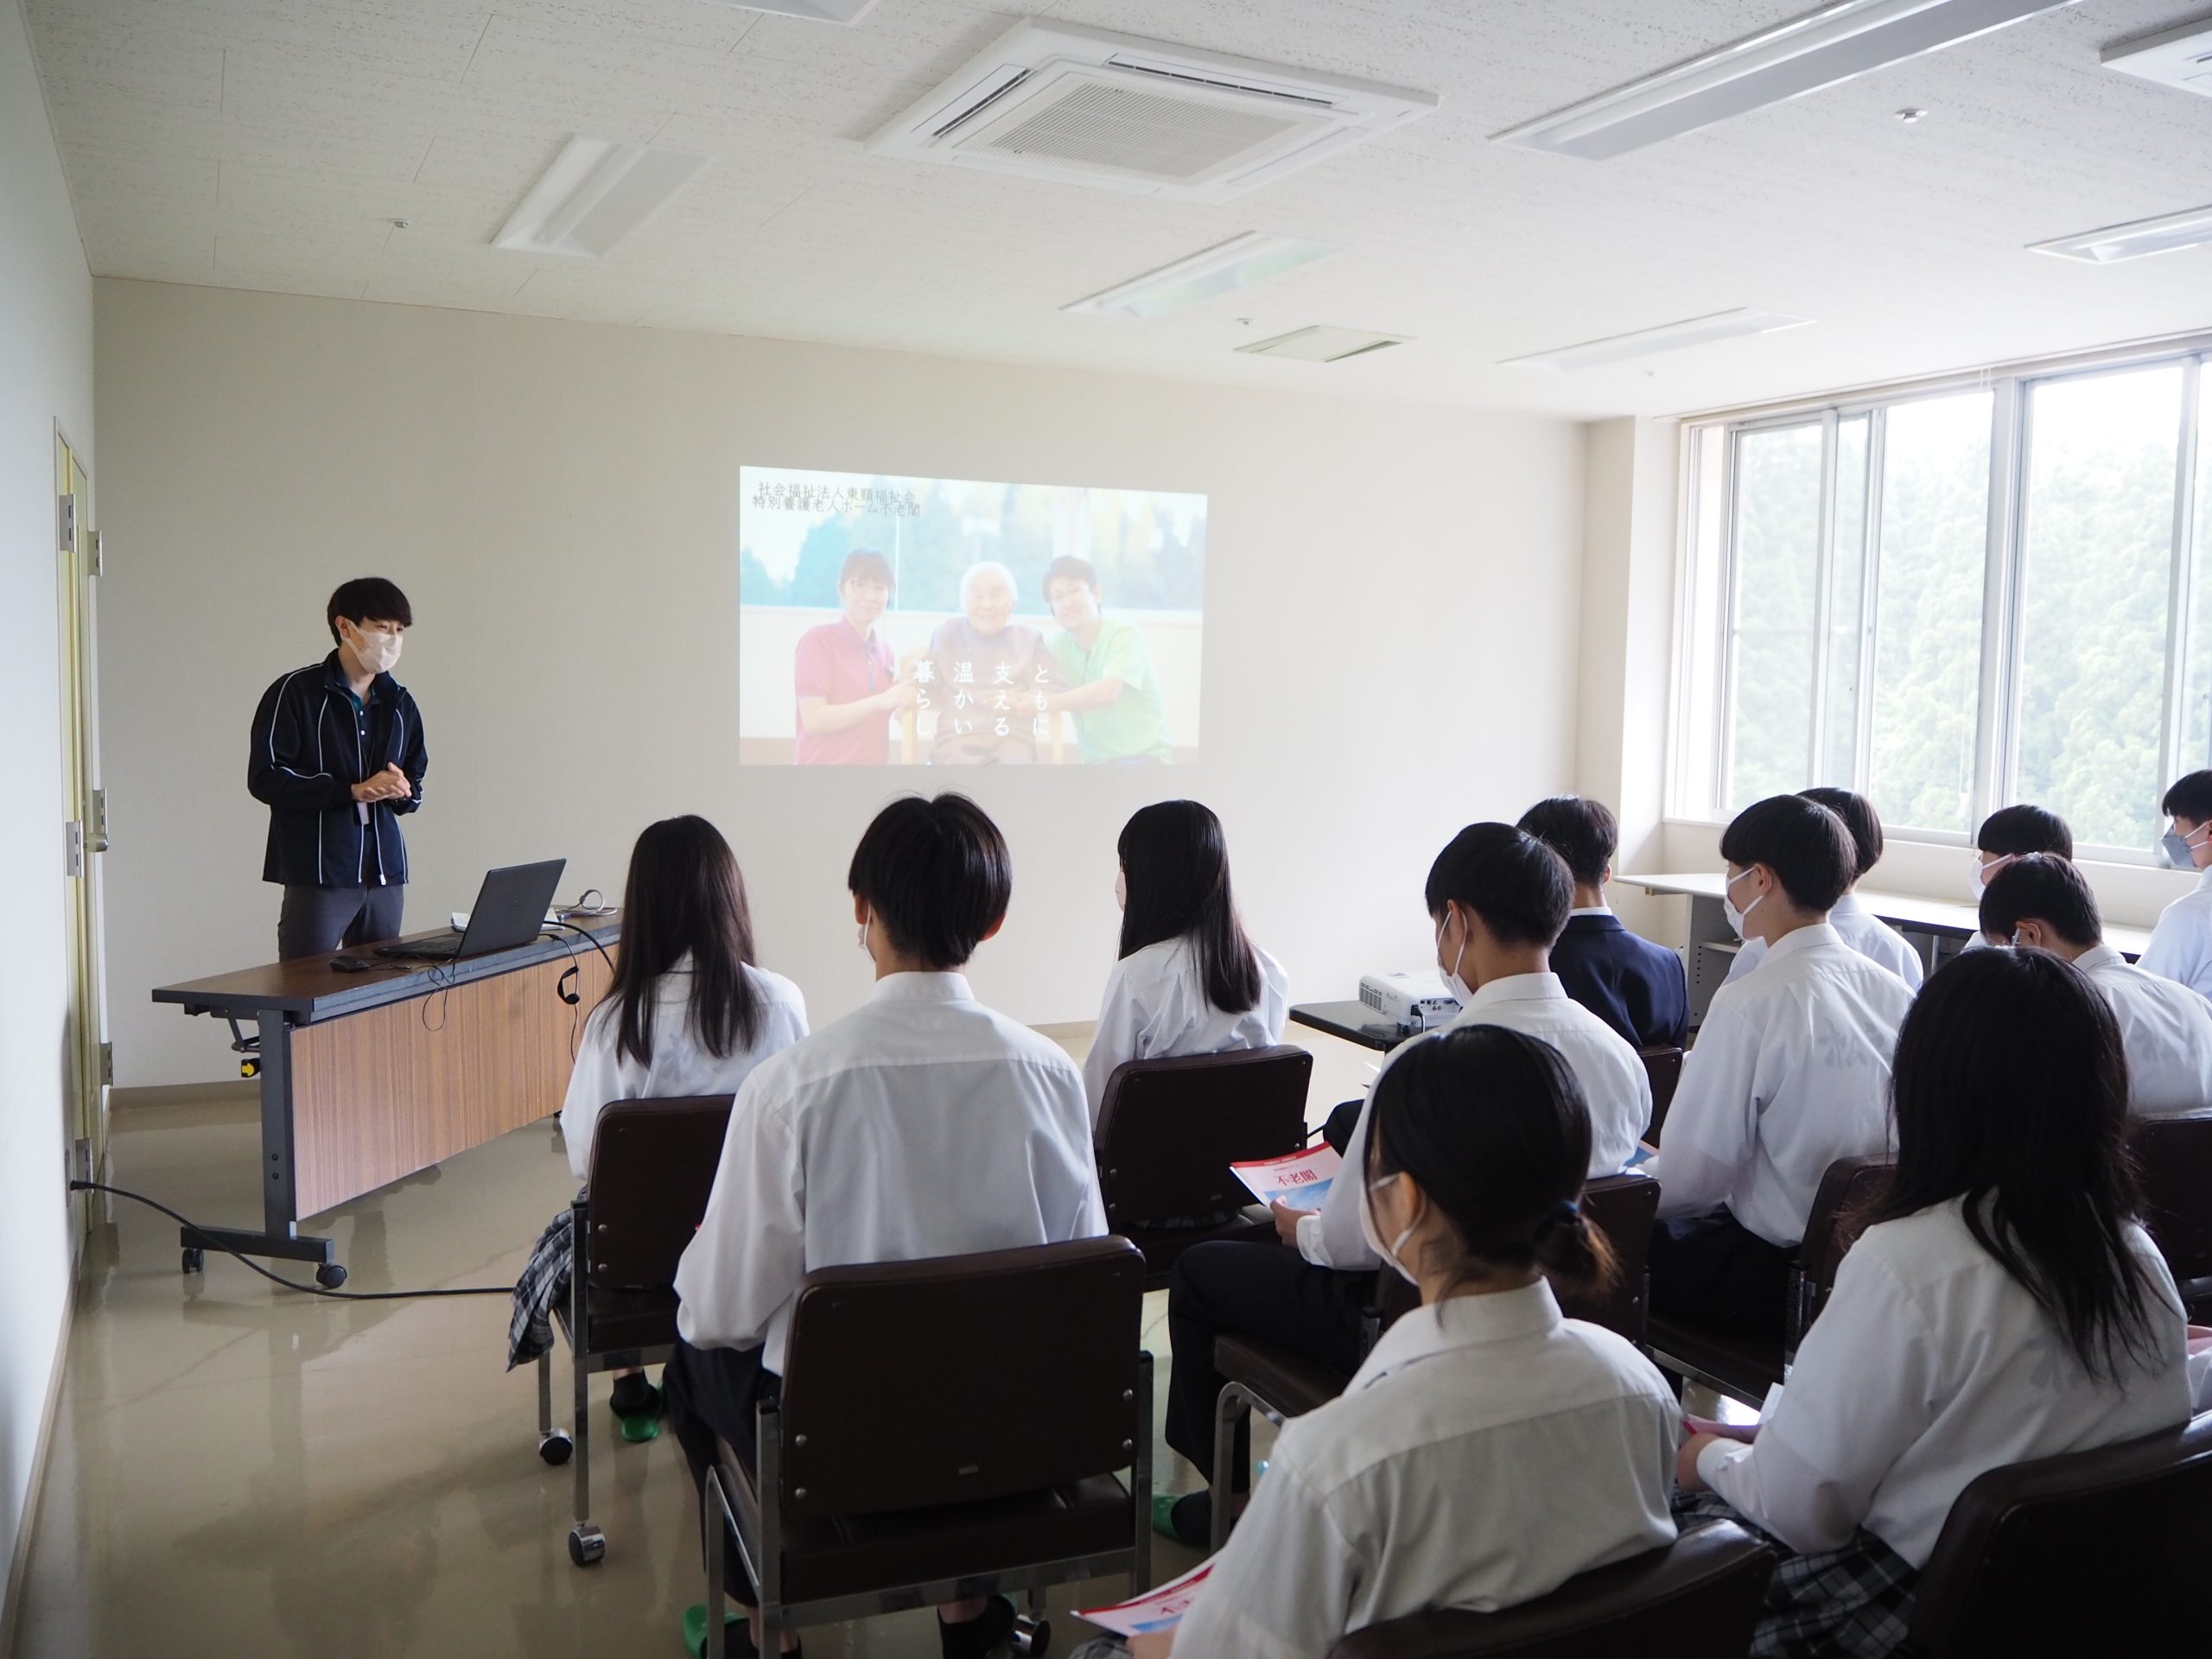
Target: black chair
[(1699, 1597), (652, 1165), (2173, 1157), (1168, 1131), (1745, 1368), (981, 1456), (2089, 1552), (1279, 1384), (1663, 1065)]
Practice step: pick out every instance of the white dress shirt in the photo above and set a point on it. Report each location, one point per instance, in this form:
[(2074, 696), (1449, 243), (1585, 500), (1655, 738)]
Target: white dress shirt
[(1931, 1365), (1790, 1073), (1863, 930), (921, 1124), (1156, 1007), (1486, 1452), (1614, 1083), (2165, 1029), (2181, 944), (680, 1066)]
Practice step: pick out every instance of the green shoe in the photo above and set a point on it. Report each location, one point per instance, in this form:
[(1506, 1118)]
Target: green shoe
[(640, 1429), (1196, 1513), (695, 1631)]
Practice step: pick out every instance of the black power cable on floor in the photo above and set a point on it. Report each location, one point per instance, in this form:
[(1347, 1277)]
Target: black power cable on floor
[(278, 1279)]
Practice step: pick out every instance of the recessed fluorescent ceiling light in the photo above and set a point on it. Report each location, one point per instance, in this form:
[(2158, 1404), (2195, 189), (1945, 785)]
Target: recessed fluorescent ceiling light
[(2132, 241), (595, 193), (1236, 263), (1832, 44), (1323, 344), (1668, 337), (821, 11)]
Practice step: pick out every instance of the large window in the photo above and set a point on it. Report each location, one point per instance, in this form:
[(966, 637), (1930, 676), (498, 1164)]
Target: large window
[(1957, 599)]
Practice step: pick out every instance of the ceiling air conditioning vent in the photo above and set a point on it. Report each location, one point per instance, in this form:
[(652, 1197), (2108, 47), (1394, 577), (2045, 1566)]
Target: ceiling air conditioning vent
[(1086, 106)]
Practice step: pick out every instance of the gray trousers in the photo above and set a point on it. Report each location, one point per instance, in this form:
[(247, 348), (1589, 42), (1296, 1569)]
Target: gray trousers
[(316, 920)]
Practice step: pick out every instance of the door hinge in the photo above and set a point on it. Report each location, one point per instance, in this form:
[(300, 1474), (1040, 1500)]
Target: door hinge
[(93, 542), (107, 1065), (65, 524), (73, 847), (96, 832), (79, 1159)]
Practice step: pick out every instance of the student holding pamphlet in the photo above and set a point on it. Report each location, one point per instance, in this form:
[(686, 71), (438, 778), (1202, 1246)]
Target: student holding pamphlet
[(2004, 1304), (922, 1124), (1488, 1449)]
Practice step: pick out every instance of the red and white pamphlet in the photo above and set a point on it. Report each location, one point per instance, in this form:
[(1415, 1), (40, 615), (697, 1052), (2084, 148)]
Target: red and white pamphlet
[(1156, 1610), (1299, 1179)]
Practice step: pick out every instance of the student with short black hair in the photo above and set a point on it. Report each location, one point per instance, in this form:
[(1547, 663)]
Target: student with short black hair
[(1862, 930), (336, 755), (2013, 832), (1496, 898), (687, 1012), (1398, 1496), (2181, 943), (921, 1124), (1790, 1073), (1188, 980), (845, 680), (1635, 985), (2043, 903), (2004, 1305)]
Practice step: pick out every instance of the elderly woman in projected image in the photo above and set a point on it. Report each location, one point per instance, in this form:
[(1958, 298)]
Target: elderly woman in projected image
[(1121, 720), (989, 678)]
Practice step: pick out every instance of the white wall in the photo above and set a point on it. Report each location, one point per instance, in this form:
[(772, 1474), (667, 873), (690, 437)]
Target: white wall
[(1390, 623), (46, 347)]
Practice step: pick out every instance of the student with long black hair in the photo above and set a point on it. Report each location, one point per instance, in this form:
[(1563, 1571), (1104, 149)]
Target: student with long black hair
[(687, 1012), (1188, 980), (2004, 1304), (1488, 1448)]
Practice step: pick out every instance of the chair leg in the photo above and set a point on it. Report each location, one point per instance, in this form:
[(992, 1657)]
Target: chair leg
[(1140, 1482), (1231, 1411), (586, 1543), (711, 1507), (553, 1445)]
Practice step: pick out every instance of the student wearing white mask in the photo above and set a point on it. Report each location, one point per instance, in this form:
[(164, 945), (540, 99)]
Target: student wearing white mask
[(2181, 944), (2005, 1304), (1790, 1073), (2043, 903), (1862, 930), (337, 756), (1498, 898), (1189, 979), (2013, 832), (1398, 1497)]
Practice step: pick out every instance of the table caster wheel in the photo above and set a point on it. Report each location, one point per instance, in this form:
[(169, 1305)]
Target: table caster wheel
[(556, 1447), (1031, 1637), (587, 1545), (195, 1261), (330, 1275)]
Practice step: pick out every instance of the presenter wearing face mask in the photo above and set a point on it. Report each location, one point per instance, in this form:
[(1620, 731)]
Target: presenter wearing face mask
[(337, 756)]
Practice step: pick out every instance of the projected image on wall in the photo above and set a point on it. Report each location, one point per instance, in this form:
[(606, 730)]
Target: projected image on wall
[(945, 622)]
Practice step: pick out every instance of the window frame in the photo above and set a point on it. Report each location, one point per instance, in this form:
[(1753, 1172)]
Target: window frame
[(1708, 576)]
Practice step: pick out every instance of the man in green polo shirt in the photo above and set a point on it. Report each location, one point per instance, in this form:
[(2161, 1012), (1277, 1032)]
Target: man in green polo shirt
[(1120, 718)]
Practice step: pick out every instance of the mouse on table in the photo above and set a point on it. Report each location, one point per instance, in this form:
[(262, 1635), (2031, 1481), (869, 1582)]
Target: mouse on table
[(351, 964)]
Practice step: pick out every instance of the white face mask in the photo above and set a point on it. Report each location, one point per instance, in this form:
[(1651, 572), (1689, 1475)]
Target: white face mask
[(1979, 878), (865, 951), (1120, 889), (1736, 918), (2177, 851), (375, 650), (1374, 1234), (1453, 982)]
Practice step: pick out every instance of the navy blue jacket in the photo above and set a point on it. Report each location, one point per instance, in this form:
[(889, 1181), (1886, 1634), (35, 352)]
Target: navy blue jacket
[(1635, 986), (312, 740)]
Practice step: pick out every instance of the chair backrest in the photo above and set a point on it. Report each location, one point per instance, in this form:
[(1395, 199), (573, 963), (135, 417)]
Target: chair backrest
[(1663, 1065), (2173, 1162), (1169, 1129), (911, 1385), (652, 1165), (1624, 1208), (1699, 1596), (2093, 1552)]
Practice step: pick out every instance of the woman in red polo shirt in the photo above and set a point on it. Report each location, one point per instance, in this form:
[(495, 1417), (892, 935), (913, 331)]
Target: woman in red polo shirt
[(847, 679)]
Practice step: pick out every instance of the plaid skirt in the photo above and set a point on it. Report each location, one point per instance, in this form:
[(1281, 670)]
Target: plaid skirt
[(1852, 1603), (541, 1293)]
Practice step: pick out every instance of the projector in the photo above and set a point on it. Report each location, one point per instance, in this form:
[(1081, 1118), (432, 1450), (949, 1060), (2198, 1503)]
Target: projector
[(1417, 1001)]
